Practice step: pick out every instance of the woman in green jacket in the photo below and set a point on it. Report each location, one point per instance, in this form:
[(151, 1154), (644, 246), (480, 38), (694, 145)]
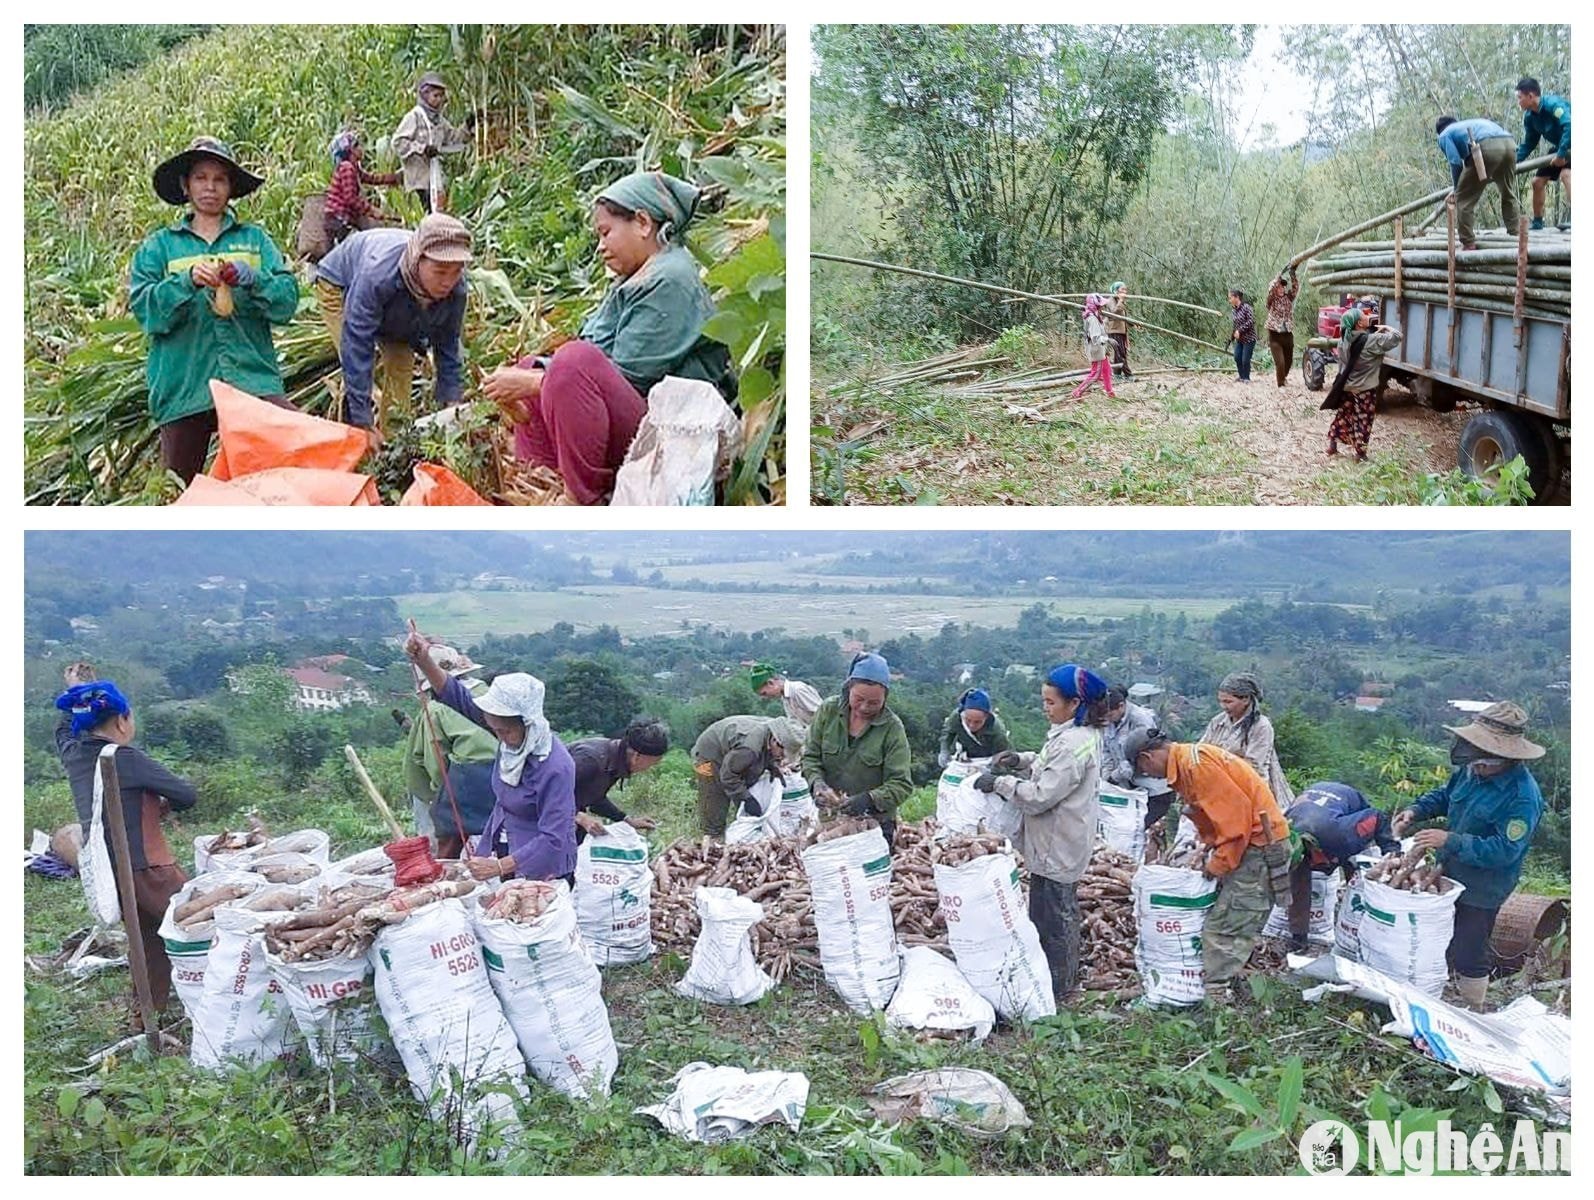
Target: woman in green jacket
[(577, 411), (207, 291)]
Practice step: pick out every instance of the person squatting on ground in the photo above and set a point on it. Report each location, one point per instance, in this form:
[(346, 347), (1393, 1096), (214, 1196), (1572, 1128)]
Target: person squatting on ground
[(97, 715), (1248, 840), (1096, 348), (207, 290), (1491, 804), (1354, 395), (1055, 793), (577, 411), (857, 759)]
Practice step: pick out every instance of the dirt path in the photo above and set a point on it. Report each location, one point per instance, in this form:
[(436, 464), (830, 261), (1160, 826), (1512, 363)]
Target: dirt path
[(1184, 438)]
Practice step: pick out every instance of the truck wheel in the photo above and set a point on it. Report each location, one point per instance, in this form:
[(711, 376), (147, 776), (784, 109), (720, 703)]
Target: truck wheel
[(1557, 452), (1494, 438)]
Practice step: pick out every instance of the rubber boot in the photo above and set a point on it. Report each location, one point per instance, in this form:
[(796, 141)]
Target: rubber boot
[(1473, 991)]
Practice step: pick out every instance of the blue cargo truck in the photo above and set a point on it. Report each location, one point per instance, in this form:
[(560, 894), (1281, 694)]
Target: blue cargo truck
[(1521, 379)]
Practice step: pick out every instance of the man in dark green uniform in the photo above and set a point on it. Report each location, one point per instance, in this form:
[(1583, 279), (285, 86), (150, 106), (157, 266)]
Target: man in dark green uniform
[(1492, 805), (733, 754), (1547, 116), (857, 758)]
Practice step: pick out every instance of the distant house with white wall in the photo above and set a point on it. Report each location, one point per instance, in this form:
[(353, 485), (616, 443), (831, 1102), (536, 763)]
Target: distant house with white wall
[(318, 689)]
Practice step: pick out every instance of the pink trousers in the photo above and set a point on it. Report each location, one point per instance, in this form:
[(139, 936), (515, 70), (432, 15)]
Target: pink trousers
[(583, 422)]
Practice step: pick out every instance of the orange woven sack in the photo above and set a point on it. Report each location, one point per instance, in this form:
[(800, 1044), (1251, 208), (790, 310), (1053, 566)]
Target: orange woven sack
[(437, 485), (282, 486), (258, 436)]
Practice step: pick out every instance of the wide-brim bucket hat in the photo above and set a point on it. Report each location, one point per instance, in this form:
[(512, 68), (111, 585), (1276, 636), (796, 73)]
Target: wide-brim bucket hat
[(1499, 730), (171, 174)]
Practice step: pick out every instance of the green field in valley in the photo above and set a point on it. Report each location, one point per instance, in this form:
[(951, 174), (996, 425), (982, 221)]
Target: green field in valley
[(641, 611)]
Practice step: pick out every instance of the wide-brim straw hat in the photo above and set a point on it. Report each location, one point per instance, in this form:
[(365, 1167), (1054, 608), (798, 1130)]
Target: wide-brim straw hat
[(453, 662), (171, 174), (1498, 730)]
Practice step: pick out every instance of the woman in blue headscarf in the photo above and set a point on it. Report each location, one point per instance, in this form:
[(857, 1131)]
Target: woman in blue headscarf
[(97, 715), (577, 411), (972, 729), (1054, 792)]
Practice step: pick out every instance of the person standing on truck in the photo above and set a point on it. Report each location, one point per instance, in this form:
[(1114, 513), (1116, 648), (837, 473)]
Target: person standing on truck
[(1459, 141), (1546, 116), (1492, 805), (1354, 396), (1281, 295)]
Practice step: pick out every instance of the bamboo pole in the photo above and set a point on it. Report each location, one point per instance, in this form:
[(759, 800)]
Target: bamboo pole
[(116, 824), (1383, 219), (370, 790), (1522, 280), (991, 287), (1152, 299), (1400, 229), (1431, 258)]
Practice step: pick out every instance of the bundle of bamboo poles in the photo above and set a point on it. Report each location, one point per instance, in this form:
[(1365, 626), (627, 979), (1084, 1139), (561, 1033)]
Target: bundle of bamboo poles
[(1504, 271)]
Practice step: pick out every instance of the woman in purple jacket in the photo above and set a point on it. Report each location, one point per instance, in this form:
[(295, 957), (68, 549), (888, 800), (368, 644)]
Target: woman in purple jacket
[(531, 833)]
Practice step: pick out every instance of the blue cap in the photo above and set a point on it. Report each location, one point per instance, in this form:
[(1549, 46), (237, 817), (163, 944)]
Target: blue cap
[(870, 668), (977, 698)]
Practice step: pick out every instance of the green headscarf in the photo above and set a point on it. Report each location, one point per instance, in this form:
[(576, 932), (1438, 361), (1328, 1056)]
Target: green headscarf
[(1113, 290), (670, 201), (762, 673), (1348, 320)]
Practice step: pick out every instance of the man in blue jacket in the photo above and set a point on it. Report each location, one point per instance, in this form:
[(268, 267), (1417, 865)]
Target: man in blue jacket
[(1495, 146), (1333, 823), (1492, 806), (399, 294), (1547, 116)]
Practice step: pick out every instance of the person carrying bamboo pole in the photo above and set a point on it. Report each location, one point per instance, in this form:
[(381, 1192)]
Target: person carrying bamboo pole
[(1281, 295), (468, 751), (1096, 348), (1354, 396), (100, 716), (1547, 116), (1465, 145), (206, 291), (1116, 306)]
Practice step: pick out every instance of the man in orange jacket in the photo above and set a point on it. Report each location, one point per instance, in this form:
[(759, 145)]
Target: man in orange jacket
[(1248, 843)]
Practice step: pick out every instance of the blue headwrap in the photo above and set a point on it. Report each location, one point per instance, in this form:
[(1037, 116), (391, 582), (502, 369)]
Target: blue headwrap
[(975, 698), (343, 145), (1076, 683), (870, 668), (91, 703)]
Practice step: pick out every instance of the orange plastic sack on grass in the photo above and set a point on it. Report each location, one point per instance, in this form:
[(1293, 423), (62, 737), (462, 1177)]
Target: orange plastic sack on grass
[(257, 435), (436, 485), (286, 486)]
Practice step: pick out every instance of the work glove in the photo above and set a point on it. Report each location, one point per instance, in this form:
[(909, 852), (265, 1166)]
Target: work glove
[(942, 759), (1122, 775), (431, 152), (752, 807), (861, 805), (1005, 763), (985, 783), (239, 274)]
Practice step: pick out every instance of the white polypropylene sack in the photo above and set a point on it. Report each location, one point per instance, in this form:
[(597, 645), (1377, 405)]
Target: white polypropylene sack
[(850, 878), (933, 994), (797, 812), (1523, 1045), (313, 843), (714, 1104), (976, 1102), (1171, 906), (333, 1005), (367, 864), (1325, 907), (687, 440), (443, 1014), (241, 1014), (993, 939), (552, 995), (613, 896), (745, 827), (1402, 934), (188, 946), (94, 863), (723, 969), (1121, 820), (960, 807)]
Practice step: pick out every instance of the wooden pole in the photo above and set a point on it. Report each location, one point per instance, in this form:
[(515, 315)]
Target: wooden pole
[(991, 287), (1150, 299), (1522, 280), (370, 790), (116, 823)]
